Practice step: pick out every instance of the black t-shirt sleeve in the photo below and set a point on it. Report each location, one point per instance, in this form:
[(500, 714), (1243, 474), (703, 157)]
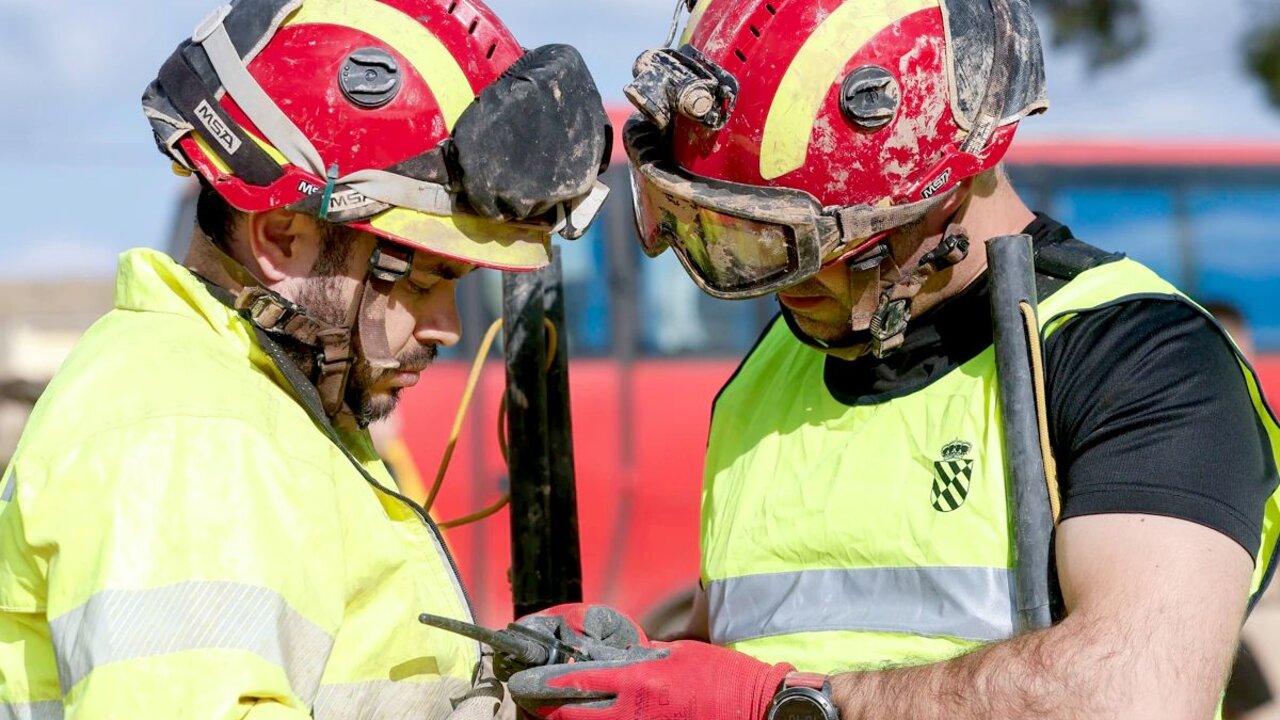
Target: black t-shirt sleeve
[(1149, 413)]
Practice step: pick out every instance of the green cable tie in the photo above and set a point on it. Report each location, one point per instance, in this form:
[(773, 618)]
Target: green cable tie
[(332, 179)]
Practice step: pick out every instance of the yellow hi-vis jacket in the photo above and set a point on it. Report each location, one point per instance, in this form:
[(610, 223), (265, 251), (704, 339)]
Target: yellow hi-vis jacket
[(854, 538), (178, 539)]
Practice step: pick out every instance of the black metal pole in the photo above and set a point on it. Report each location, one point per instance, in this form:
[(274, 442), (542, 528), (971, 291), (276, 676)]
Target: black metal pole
[(527, 459), (563, 552), (1012, 278), (546, 566)]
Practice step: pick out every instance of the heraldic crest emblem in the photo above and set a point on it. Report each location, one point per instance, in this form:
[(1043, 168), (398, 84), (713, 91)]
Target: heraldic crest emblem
[(952, 476)]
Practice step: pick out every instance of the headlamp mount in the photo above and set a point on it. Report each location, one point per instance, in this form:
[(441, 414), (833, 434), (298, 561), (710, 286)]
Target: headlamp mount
[(685, 82)]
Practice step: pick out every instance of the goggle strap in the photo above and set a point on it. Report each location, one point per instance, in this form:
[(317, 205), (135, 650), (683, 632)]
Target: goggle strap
[(188, 94), (859, 222), (275, 126), (401, 191)]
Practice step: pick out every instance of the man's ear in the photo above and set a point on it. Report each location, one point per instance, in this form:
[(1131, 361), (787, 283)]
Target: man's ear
[(284, 244)]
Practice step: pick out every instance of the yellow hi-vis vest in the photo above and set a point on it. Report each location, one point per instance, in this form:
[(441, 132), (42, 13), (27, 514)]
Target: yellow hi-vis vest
[(853, 538), (179, 539)]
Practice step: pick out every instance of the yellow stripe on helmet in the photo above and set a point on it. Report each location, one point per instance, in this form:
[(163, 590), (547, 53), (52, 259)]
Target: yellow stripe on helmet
[(789, 126), (466, 237), (695, 16), (217, 161), (428, 56)]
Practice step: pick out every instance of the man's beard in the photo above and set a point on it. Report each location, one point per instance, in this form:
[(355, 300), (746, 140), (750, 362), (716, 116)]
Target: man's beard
[(369, 406), (320, 298)]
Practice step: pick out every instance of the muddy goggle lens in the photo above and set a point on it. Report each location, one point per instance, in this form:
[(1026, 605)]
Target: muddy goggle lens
[(736, 241), (728, 254)]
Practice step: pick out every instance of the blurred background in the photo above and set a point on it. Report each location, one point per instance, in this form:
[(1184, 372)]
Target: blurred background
[(1163, 141)]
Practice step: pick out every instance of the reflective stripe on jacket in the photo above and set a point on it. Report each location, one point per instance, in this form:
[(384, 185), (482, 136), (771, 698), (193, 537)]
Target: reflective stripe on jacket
[(178, 538), (840, 538)]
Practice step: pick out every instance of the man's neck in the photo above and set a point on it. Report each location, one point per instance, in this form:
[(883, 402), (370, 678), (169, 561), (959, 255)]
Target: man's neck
[(992, 210)]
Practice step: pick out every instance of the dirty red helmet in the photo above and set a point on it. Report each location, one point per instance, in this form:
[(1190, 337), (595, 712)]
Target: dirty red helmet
[(374, 113), (420, 121), (782, 134)]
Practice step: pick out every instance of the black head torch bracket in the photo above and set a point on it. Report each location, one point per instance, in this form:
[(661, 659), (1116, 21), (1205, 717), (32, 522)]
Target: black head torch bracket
[(682, 82)]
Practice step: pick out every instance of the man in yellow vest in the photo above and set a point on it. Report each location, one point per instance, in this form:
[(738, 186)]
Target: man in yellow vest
[(195, 523), (844, 154)]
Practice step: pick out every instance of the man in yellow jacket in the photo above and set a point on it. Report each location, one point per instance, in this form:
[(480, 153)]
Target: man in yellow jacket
[(195, 523), (857, 545)]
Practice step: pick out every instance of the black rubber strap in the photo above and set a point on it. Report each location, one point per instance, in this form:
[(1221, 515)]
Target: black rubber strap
[(1058, 262), (307, 395), (184, 87)]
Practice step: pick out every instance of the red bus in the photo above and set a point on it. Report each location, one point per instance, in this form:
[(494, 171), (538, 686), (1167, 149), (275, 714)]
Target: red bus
[(649, 352)]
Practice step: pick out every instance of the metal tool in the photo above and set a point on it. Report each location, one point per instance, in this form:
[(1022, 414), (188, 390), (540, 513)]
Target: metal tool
[(523, 646)]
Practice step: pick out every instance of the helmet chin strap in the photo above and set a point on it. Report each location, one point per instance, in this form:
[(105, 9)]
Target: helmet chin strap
[(332, 345), (881, 293), (899, 287)]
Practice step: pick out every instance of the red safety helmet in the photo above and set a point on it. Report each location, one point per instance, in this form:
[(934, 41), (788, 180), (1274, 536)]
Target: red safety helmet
[(345, 109), (420, 121), (783, 134)]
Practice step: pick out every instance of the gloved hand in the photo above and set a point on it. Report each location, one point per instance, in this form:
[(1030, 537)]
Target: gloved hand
[(684, 680), (599, 630)]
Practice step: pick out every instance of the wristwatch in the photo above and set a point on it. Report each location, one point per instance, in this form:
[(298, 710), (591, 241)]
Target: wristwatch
[(803, 696)]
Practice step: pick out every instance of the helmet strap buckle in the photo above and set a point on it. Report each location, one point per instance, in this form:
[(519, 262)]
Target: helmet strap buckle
[(333, 361), (390, 263), (870, 259), (888, 324)]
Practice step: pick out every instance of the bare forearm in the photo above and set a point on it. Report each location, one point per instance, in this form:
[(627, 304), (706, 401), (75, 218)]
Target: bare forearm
[(1070, 671)]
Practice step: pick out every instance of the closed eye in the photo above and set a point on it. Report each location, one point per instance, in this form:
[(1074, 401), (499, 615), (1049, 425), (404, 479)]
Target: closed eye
[(421, 286)]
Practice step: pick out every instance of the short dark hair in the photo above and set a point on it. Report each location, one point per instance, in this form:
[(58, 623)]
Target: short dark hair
[(217, 219), (1224, 312)]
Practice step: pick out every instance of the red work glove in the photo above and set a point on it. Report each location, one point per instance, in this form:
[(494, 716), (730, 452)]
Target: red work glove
[(683, 680), (597, 622), (598, 630)]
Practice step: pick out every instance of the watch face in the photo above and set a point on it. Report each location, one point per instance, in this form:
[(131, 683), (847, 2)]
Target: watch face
[(802, 703), (799, 708)]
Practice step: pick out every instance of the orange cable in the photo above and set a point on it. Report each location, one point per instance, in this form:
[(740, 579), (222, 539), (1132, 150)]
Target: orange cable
[(472, 380)]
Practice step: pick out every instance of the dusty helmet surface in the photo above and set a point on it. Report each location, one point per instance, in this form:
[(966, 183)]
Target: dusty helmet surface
[(858, 102)]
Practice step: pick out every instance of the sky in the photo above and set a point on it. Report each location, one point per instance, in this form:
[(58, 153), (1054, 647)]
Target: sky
[(83, 181)]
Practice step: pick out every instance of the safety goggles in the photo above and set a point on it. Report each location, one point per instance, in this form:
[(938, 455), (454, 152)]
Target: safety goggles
[(742, 241)]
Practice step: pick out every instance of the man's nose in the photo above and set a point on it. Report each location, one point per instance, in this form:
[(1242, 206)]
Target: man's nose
[(437, 321)]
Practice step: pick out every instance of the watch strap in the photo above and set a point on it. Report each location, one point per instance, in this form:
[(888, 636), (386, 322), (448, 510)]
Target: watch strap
[(817, 681)]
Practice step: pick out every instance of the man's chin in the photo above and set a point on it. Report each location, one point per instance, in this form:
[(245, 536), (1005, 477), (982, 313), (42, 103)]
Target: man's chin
[(376, 405), (838, 340), (824, 331)]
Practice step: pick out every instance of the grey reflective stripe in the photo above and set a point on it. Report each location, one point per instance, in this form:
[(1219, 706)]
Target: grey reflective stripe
[(48, 710), (116, 625), (962, 602), (6, 495), (378, 699)]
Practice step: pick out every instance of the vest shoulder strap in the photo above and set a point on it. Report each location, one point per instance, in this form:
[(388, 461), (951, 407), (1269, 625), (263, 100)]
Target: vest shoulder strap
[(1061, 260)]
